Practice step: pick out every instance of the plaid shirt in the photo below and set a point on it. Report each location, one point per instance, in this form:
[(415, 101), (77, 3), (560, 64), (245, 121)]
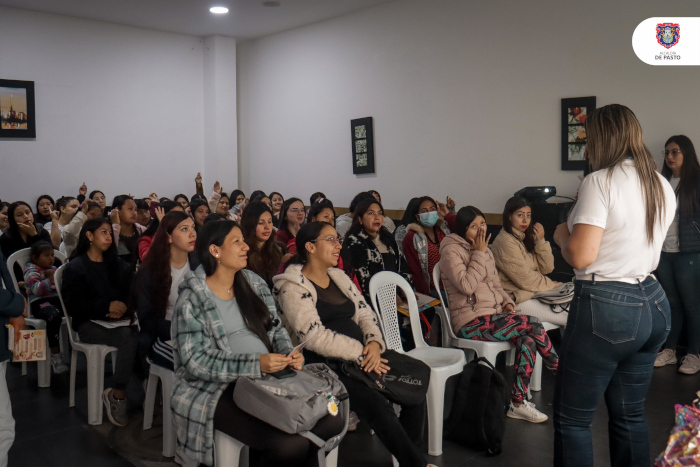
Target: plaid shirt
[(204, 363)]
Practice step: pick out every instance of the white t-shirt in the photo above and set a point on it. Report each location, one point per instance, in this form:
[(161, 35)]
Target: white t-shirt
[(617, 206), (178, 276), (672, 243)]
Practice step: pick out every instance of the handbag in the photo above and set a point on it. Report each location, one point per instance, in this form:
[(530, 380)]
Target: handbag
[(557, 298), (683, 447), (406, 383)]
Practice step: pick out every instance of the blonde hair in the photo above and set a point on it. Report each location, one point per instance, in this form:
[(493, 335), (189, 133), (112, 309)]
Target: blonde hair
[(614, 134)]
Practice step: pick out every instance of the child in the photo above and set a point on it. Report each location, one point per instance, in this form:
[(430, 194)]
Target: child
[(43, 298)]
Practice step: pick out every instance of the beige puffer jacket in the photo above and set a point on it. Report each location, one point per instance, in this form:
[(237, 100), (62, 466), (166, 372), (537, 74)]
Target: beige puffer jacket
[(471, 281), (522, 272)]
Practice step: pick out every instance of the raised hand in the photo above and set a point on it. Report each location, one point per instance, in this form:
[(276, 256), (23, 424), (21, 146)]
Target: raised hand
[(442, 209), (153, 197), (160, 212), (83, 189), (198, 178), (55, 215), (85, 206), (217, 187), (450, 203), (114, 216)]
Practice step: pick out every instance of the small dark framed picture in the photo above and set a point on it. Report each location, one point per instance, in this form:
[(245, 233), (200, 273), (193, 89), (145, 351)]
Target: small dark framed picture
[(17, 115), (574, 112), (362, 133)]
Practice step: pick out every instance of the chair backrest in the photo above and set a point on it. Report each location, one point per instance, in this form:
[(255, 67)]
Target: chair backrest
[(22, 257), (58, 279), (382, 292), (437, 281)]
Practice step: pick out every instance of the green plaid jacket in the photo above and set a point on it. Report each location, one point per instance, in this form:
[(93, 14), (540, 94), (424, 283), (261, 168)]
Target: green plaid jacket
[(204, 363)]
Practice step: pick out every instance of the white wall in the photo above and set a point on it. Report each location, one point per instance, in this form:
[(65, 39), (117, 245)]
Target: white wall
[(465, 96), (119, 108)]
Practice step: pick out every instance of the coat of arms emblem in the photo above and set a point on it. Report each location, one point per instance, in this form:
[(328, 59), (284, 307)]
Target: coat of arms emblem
[(668, 34)]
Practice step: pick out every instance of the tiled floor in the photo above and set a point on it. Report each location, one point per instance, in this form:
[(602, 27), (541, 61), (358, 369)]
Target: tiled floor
[(50, 434)]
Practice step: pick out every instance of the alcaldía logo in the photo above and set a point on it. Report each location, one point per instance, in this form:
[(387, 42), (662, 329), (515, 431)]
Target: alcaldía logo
[(668, 34)]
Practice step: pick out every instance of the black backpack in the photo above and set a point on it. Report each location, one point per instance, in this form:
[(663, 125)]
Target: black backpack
[(478, 416)]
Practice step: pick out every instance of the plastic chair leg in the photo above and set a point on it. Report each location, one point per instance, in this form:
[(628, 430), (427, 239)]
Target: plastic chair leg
[(24, 368), (73, 369), (435, 399), (64, 341), (229, 452), (510, 357), (150, 401), (169, 433), (332, 458), (95, 386), (536, 378)]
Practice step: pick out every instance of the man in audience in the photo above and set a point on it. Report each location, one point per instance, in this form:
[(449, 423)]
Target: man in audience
[(13, 309)]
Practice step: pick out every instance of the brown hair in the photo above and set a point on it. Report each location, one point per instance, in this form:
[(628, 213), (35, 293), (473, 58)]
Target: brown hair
[(614, 134)]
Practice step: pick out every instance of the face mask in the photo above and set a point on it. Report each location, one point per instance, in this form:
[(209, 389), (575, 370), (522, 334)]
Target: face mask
[(429, 219)]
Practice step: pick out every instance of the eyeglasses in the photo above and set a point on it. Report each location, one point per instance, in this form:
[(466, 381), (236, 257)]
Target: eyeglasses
[(332, 240), (673, 152), (295, 210)]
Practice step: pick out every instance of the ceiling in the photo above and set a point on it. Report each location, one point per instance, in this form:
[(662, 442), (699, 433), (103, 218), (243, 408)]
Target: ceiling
[(246, 19)]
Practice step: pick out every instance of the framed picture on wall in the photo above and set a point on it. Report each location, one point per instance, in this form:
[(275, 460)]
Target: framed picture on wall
[(574, 112), (362, 133), (17, 116)]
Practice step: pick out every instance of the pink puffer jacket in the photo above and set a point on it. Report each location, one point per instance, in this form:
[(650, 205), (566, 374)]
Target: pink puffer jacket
[(471, 281)]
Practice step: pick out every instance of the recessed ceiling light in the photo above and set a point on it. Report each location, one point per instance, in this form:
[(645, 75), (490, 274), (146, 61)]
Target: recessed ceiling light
[(271, 4), (218, 10)]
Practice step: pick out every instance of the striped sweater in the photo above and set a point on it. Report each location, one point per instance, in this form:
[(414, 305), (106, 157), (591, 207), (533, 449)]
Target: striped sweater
[(37, 284)]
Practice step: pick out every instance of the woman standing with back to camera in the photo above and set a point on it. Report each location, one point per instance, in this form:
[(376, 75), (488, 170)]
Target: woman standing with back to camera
[(619, 316)]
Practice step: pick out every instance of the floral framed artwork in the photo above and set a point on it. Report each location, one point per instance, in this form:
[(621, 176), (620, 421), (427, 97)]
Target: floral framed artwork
[(574, 112), (17, 116), (362, 132)]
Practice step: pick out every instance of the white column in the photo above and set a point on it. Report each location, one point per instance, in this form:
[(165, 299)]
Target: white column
[(220, 117)]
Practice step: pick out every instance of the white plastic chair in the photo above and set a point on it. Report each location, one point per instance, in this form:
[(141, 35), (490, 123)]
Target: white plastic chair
[(95, 355), (167, 379), (487, 350), (21, 258), (443, 362), (229, 452)]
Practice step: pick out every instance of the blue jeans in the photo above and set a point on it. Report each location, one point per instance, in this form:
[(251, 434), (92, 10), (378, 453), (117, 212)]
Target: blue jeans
[(612, 337)]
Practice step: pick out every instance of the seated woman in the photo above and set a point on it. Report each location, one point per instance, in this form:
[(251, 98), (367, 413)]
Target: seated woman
[(67, 206), (126, 230), (4, 222), (219, 203), (182, 200), (265, 255), (370, 248), (400, 232), (44, 208), (22, 232), (388, 223), (156, 285), (292, 217), (277, 201), (483, 311), (96, 289), (523, 257), (225, 325), (98, 197), (421, 245), (200, 211), (42, 298), (325, 310), (143, 211), (89, 210), (344, 221), (147, 236)]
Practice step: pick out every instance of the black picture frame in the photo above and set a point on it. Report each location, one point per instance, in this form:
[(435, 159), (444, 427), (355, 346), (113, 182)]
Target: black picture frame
[(362, 137), (573, 131), (25, 117)]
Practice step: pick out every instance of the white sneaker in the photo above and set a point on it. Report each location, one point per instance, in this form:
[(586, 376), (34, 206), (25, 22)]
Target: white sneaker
[(665, 357), (57, 364), (690, 364), (526, 411)]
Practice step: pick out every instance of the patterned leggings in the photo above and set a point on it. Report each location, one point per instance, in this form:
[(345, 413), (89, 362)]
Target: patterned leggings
[(528, 336)]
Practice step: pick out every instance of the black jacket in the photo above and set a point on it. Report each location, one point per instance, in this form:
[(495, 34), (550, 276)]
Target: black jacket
[(88, 288), (152, 322), (11, 306)]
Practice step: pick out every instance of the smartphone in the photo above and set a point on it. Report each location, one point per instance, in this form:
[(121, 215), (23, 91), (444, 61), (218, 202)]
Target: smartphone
[(285, 373), (298, 348)]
